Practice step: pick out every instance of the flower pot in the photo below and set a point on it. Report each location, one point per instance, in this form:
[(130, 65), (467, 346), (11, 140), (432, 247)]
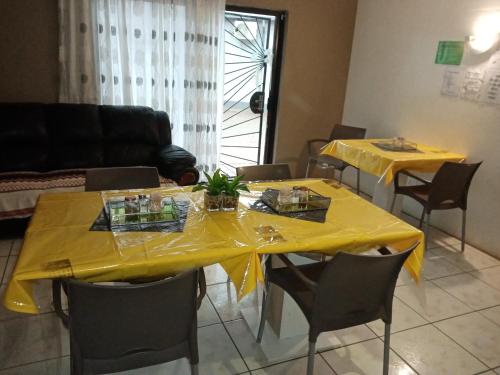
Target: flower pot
[(230, 202), (212, 202)]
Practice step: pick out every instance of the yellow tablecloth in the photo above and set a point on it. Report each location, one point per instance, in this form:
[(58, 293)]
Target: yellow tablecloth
[(362, 154), (58, 242)]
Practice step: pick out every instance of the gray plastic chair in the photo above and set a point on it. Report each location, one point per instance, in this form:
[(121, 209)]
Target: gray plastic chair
[(325, 161), (448, 189), (119, 328), (121, 178), (346, 291), (265, 172)]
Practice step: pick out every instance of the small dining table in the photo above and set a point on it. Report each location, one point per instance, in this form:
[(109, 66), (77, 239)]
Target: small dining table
[(369, 157), (60, 241)]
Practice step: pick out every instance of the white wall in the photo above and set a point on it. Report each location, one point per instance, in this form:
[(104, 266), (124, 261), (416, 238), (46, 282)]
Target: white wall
[(394, 89)]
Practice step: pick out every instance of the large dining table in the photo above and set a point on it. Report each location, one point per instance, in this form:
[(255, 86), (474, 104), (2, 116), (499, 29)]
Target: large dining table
[(59, 241)]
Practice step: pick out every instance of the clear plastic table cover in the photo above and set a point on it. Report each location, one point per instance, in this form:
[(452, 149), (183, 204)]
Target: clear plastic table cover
[(58, 242), (363, 154)]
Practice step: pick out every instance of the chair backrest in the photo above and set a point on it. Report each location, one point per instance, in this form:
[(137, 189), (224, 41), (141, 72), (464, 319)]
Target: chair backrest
[(347, 132), (264, 172), (451, 184), (121, 178), (356, 289), (109, 322)]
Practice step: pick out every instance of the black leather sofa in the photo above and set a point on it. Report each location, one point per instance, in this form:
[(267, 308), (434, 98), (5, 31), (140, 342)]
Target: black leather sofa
[(45, 137), (63, 140)]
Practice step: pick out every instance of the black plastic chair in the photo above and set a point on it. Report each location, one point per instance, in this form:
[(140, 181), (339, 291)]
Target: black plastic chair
[(119, 328), (448, 189), (325, 161), (346, 291), (265, 172), (121, 178)]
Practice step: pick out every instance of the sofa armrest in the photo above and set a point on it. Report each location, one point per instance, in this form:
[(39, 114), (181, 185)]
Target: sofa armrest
[(178, 164)]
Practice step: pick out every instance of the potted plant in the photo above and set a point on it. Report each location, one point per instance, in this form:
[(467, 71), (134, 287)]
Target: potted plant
[(213, 190), (231, 193)]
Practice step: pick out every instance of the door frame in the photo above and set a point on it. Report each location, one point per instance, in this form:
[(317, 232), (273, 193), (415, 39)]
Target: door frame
[(274, 89)]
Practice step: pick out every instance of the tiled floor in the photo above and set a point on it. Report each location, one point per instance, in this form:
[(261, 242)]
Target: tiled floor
[(450, 324)]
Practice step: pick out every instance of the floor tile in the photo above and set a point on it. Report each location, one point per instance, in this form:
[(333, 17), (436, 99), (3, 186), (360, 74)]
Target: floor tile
[(11, 262), (439, 238), (4, 312), (207, 314), (223, 297), (470, 260), (58, 366), (296, 367), (437, 266), (476, 334), (274, 350), (403, 317), (217, 352), (493, 314), (430, 301), (430, 352), (33, 338), (404, 278), (365, 358), (490, 276), (471, 291), (215, 274), (16, 246), (5, 246)]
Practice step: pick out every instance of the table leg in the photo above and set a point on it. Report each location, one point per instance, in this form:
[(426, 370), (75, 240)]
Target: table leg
[(383, 196)]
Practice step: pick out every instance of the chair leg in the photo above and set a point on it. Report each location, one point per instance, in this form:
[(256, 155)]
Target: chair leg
[(308, 168), (426, 231), (194, 369), (422, 218), (310, 358), (387, 347), (464, 218), (357, 180), (263, 312), (393, 203)]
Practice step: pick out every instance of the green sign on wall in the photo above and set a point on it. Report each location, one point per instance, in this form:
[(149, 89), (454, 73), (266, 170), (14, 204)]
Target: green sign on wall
[(450, 53)]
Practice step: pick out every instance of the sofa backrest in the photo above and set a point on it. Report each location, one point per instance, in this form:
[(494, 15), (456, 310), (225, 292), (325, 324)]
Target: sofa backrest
[(41, 137)]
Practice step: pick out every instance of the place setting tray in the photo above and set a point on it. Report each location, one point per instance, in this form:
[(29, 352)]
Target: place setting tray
[(397, 146), (304, 200), (124, 213)]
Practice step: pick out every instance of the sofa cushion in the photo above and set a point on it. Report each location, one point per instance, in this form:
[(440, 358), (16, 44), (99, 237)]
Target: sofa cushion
[(76, 136), (164, 128), (24, 141), (22, 122), (137, 125), (24, 157), (74, 123), (77, 155), (126, 154)]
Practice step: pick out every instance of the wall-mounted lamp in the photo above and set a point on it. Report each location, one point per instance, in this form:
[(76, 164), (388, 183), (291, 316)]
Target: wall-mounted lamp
[(486, 33)]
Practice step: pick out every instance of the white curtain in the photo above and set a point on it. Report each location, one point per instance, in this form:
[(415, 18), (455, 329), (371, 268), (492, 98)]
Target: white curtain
[(165, 54)]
